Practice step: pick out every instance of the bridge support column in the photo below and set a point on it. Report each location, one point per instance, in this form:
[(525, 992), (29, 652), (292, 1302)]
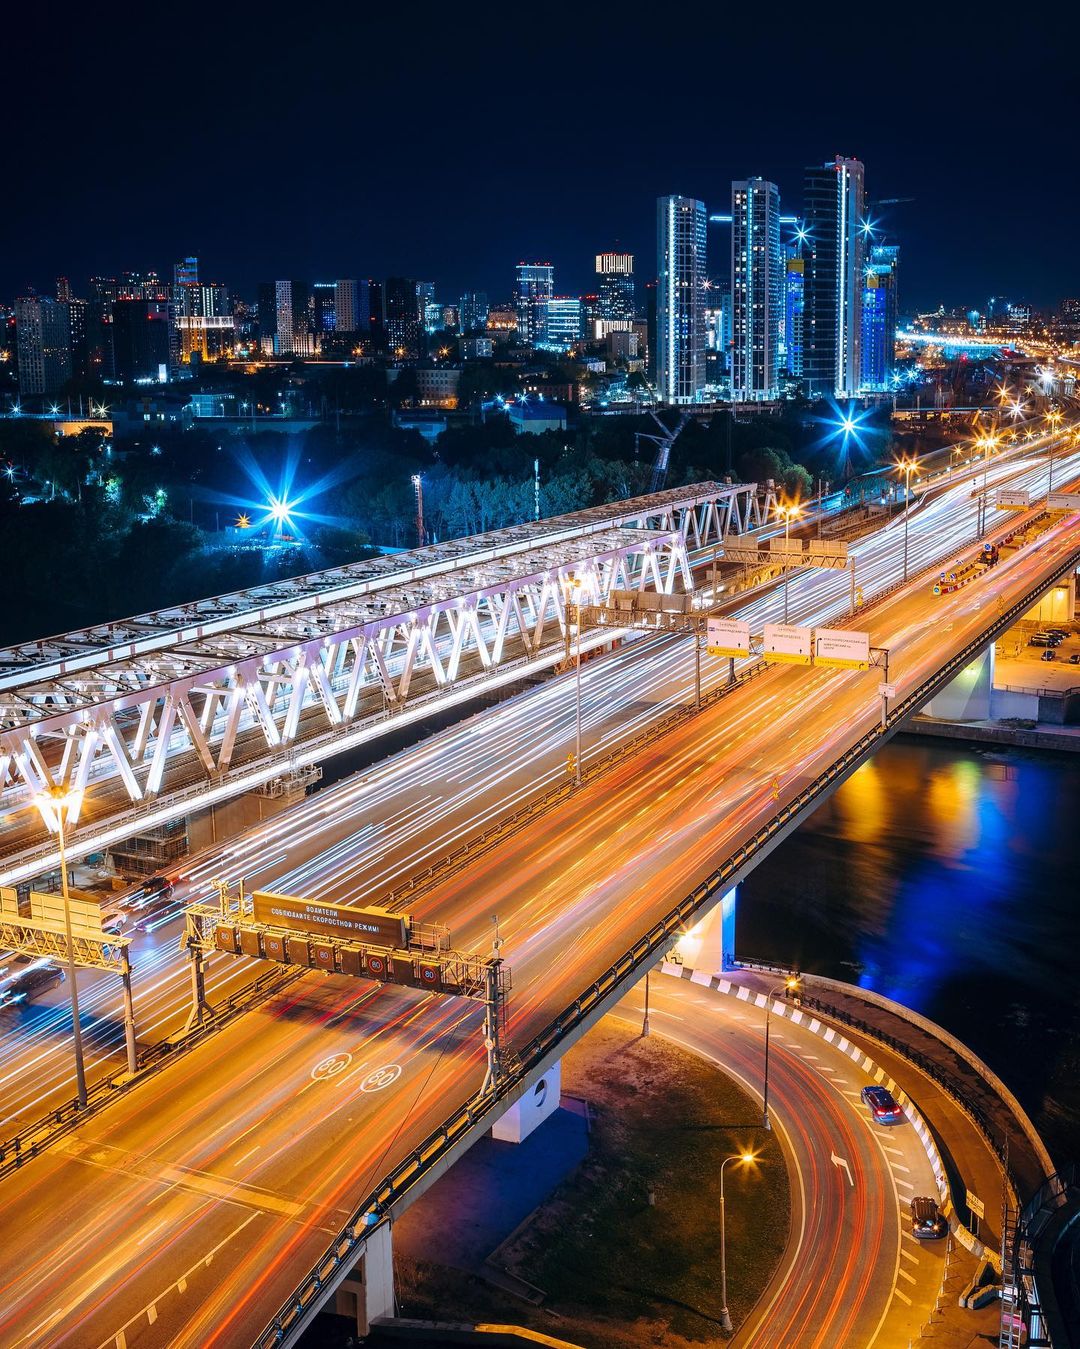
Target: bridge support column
[(530, 1111), (709, 946), (368, 1292), (967, 698)]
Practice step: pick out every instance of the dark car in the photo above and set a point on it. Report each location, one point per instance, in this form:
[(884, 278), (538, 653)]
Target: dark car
[(927, 1220), (1074, 659), (883, 1106), (20, 984), (153, 902), (1049, 655)]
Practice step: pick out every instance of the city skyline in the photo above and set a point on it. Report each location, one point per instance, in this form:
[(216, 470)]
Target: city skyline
[(366, 183)]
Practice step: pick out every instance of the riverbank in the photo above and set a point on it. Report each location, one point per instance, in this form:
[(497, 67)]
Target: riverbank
[(1025, 735)]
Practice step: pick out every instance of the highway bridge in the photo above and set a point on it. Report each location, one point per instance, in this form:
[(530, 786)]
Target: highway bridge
[(244, 1154)]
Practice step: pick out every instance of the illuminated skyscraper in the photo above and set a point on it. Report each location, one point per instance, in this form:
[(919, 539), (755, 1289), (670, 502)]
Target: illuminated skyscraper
[(43, 333), (474, 311), (561, 322), (403, 328), (835, 260), (294, 333), (615, 308), (680, 298), (324, 298), (347, 306), (879, 317), (534, 285), (757, 290), (794, 314)]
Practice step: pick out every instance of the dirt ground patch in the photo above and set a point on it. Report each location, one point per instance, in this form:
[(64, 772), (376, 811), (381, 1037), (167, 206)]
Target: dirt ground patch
[(627, 1250)]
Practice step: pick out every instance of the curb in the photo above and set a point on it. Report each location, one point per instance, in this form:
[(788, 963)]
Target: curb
[(832, 1036)]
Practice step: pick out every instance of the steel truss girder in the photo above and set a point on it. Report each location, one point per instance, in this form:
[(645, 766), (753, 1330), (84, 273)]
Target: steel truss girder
[(269, 690)]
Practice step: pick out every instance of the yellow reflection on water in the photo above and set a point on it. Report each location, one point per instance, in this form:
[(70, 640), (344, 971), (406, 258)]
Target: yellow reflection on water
[(863, 804), (952, 795)]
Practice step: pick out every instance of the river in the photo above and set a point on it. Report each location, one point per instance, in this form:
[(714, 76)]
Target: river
[(947, 878)]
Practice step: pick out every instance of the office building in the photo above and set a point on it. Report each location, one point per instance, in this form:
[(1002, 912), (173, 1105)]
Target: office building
[(323, 302), (834, 255), (43, 334), (534, 285), (294, 312), (401, 317), (718, 333), (879, 317), (561, 323), (63, 289), (680, 299), (791, 360), (142, 339), (347, 307), (615, 308), (757, 290), (474, 311)]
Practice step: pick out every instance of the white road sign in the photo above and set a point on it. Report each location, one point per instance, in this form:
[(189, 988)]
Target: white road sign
[(888, 690), (844, 649), (1009, 498), (1063, 501), (727, 637), (783, 642), (976, 1205)]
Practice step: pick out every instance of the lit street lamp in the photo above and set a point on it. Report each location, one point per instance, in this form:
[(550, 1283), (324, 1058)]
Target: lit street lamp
[(573, 597), (907, 467), (789, 512), (791, 982), (745, 1159), (54, 806)]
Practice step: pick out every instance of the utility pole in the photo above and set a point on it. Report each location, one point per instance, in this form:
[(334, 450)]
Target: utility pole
[(493, 1016), (60, 805), (536, 489)]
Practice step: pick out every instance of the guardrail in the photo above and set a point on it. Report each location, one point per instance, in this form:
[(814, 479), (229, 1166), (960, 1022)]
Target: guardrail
[(375, 1208), (27, 1143)]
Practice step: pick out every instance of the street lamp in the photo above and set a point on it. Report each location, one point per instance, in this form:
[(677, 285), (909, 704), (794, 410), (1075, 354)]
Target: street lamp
[(788, 512), (792, 981), (55, 805), (906, 467), (573, 597), (744, 1159)]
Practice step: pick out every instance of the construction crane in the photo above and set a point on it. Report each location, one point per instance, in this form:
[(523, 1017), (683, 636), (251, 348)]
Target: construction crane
[(663, 443)]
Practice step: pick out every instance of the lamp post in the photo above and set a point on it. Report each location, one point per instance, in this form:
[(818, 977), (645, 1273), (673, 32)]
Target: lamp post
[(907, 467), (791, 982), (746, 1159), (54, 806), (788, 512), (576, 595)]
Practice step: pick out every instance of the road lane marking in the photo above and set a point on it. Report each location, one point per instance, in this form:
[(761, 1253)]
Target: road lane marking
[(902, 1296), (896, 1166), (905, 1275), (839, 1162), (231, 1191), (896, 1152), (151, 1313), (905, 1183), (909, 1255)]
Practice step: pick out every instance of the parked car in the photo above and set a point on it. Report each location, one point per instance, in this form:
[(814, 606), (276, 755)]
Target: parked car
[(1039, 639), (927, 1220), (1074, 659), (883, 1105), (1049, 655), (20, 984)]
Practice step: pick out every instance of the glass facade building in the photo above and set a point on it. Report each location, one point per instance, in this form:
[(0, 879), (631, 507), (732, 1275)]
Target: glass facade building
[(879, 318), (757, 290), (835, 255), (534, 285), (680, 298)]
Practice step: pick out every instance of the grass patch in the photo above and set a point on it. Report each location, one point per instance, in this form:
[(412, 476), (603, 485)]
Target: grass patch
[(627, 1250)]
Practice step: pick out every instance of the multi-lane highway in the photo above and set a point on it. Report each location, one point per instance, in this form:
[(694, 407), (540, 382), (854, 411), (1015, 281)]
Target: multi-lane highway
[(572, 892), (360, 837)]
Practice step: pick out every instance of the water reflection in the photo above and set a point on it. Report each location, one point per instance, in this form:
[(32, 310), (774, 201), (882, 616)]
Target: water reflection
[(946, 878)]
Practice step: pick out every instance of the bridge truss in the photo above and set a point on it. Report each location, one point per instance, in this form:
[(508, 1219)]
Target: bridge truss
[(162, 713)]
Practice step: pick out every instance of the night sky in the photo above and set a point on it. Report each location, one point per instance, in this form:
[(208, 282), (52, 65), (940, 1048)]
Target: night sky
[(448, 144)]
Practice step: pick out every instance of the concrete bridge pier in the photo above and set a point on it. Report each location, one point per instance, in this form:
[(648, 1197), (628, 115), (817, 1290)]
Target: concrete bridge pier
[(709, 946), (529, 1111), (368, 1292), (968, 696)]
